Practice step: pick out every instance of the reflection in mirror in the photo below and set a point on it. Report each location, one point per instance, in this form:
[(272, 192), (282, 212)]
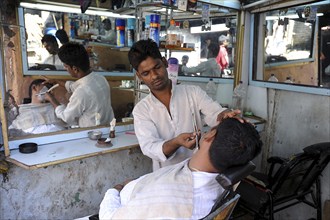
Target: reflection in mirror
[(216, 61), (293, 41), (35, 115), (46, 31)]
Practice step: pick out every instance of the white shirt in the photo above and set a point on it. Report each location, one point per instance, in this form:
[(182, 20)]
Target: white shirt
[(53, 59), (154, 125), (206, 68), (90, 95), (37, 118), (205, 191)]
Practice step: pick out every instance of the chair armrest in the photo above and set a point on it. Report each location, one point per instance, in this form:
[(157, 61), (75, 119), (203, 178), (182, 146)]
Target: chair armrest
[(279, 160), (274, 161)]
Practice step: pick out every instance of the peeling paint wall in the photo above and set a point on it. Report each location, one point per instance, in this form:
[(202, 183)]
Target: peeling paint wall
[(69, 190)]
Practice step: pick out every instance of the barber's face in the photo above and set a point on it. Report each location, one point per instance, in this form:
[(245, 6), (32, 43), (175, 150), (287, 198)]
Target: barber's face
[(153, 73)]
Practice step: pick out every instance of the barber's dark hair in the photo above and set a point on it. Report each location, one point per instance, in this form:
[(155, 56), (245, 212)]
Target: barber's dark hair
[(235, 144), (213, 50), (141, 50), (74, 54), (49, 39)]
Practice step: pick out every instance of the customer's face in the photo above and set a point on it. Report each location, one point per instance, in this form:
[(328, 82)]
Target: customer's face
[(153, 73), (51, 47)]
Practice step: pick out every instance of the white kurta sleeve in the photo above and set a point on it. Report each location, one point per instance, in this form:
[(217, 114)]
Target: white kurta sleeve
[(73, 110), (209, 108), (150, 142), (110, 203)]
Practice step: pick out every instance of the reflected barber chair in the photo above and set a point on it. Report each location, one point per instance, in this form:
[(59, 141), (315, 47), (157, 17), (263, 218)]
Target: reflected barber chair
[(287, 183)]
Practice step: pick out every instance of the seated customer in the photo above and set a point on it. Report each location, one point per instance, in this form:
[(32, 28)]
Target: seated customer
[(206, 68), (38, 116), (186, 190)]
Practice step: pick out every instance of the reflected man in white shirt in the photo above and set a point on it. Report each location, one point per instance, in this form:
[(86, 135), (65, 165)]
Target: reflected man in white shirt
[(163, 120), (187, 190), (90, 92), (51, 45)]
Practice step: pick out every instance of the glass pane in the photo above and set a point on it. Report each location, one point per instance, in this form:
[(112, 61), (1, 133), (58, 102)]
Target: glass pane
[(289, 45)]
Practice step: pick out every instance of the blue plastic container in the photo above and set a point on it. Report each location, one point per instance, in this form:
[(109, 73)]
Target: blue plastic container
[(120, 29), (154, 27), (130, 31)]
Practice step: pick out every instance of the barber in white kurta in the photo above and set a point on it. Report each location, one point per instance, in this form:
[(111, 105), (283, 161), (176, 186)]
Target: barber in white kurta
[(154, 125), (90, 95), (168, 193)]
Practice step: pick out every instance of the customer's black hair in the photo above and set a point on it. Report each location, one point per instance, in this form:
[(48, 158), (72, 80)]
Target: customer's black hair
[(37, 82), (213, 50), (235, 144), (48, 38), (141, 50), (74, 54)]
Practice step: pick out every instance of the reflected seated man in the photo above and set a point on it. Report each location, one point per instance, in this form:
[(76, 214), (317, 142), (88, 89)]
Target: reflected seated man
[(210, 67), (187, 190), (38, 116)]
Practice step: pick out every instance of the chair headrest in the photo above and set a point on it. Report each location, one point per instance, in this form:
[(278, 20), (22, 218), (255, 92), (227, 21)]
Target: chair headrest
[(319, 148), (233, 175)]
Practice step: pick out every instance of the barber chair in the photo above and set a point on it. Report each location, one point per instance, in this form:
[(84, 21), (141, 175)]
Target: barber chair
[(227, 201), (288, 182)]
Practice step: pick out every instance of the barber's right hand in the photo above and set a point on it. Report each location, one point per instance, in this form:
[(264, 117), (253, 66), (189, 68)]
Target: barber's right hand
[(187, 140)]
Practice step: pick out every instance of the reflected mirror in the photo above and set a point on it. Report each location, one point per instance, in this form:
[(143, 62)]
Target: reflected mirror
[(291, 44), (210, 25), (47, 30)]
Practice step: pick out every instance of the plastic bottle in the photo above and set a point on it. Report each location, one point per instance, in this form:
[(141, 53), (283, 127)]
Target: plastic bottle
[(120, 28), (171, 38), (130, 31), (272, 78), (179, 36), (239, 97), (288, 80), (172, 69), (154, 27), (211, 89), (146, 27)]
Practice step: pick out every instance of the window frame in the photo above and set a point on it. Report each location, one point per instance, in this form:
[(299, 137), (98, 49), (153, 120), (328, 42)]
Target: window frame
[(278, 85)]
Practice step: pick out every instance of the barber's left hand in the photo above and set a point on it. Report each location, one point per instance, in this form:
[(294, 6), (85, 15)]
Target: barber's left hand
[(230, 114)]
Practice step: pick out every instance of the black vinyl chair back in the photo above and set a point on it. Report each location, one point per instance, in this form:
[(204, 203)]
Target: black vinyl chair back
[(287, 185), (293, 175), (323, 150)]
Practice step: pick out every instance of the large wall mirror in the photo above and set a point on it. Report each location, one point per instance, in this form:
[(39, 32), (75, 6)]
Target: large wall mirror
[(291, 45), (97, 32)]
